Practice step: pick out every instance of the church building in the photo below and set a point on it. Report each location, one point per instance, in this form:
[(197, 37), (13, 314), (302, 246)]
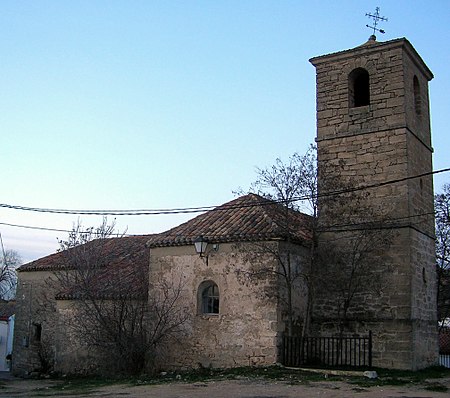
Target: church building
[(373, 129)]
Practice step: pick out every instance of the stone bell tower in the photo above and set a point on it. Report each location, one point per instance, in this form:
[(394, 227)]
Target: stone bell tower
[(373, 120)]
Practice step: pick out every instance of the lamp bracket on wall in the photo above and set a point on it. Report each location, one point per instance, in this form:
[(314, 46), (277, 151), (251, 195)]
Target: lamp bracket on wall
[(202, 247)]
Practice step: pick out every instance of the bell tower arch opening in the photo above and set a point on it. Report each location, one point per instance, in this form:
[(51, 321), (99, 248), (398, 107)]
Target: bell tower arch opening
[(358, 88)]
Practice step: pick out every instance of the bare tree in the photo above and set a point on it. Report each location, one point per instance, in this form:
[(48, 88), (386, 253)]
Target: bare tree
[(276, 265), (105, 276), (353, 235), (345, 262), (10, 260), (347, 272), (442, 217), (293, 186)]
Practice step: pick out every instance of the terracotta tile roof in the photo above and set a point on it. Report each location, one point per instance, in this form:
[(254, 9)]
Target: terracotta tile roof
[(124, 266), (126, 261), (247, 218), (117, 281), (124, 250)]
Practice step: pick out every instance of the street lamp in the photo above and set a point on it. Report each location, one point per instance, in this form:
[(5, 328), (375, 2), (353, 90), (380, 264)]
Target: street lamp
[(200, 245)]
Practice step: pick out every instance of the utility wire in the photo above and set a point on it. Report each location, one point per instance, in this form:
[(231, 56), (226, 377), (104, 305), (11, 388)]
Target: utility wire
[(190, 210), (206, 208), (327, 228), (52, 229), (32, 227)]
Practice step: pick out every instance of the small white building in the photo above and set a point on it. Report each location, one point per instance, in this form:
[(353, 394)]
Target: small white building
[(7, 310)]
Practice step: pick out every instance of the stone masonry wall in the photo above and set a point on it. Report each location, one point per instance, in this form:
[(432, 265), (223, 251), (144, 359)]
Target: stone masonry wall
[(57, 348), (396, 317), (36, 324), (74, 355), (389, 139), (248, 326), (245, 332)]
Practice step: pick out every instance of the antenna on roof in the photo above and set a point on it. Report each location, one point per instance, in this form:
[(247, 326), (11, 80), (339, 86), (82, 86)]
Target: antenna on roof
[(376, 18)]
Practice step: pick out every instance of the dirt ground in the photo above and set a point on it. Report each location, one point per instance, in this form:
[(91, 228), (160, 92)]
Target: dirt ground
[(11, 387)]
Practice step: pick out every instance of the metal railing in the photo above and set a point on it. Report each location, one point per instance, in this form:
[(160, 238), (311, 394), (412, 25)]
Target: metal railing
[(339, 351), (444, 360)]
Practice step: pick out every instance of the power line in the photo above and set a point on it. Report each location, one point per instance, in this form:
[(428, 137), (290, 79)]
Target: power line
[(190, 210), (50, 229), (378, 223), (328, 227), (381, 184), (206, 208), (33, 227)]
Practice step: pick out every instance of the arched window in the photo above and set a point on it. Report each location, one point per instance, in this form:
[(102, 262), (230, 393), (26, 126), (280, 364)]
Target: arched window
[(359, 88), (417, 98), (208, 298)]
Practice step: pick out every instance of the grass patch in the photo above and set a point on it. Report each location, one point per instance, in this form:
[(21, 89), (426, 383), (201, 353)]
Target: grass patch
[(434, 372), (437, 387), (88, 385), (425, 379), (75, 385), (421, 378), (275, 373)]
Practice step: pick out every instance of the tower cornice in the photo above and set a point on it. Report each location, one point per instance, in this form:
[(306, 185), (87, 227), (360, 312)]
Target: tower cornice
[(372, 46)]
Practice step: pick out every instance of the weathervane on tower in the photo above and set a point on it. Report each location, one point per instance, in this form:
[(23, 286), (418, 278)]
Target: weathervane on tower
[(376, 18)]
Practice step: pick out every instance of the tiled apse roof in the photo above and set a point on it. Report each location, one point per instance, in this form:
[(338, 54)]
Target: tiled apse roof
[(247, 218), (126, 251), (123, 268)]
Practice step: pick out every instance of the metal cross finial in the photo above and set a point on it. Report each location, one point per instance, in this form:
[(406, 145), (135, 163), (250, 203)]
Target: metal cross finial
[(376, 18)]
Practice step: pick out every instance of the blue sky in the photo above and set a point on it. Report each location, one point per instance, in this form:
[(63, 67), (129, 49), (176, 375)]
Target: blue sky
[(168, 104)]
